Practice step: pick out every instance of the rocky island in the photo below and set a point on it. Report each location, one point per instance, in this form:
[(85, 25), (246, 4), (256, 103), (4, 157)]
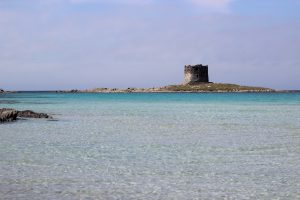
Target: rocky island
[(196, 79), (200, 88)]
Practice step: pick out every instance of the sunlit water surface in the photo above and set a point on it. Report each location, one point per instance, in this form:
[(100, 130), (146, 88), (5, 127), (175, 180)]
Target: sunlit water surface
[(152, 146)]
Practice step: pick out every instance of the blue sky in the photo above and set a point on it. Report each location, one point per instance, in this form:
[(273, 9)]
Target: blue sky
[(65, 44)]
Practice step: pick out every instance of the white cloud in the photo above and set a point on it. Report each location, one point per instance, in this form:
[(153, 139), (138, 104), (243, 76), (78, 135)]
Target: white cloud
[(219, 5)]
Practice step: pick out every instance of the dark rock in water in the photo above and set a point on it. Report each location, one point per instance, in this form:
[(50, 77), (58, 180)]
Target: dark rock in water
[(31, 114), (8, 115)]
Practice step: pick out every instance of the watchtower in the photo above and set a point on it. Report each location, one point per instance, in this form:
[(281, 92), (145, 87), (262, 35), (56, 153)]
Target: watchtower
[(195, 74)]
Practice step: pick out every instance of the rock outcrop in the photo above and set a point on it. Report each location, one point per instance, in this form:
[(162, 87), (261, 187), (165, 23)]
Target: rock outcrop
[(31, 114), (8, 115)]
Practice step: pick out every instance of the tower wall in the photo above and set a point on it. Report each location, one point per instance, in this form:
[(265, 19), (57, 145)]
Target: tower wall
[(196, 74)]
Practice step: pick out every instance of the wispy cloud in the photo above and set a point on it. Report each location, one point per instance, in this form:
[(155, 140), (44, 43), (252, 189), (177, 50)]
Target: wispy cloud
[(221, 5), (133, 2), (217, 5)]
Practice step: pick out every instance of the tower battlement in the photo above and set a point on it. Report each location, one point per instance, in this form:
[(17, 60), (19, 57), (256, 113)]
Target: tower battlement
[(195, 74)]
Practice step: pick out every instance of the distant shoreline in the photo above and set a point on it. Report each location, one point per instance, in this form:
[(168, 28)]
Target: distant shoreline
[(195, 88)]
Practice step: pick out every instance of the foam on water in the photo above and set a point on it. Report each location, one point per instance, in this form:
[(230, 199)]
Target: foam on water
[(152, 146)]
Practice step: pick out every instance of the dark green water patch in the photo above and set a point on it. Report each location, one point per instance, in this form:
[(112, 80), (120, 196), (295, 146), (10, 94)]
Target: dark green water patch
[(8, 102)]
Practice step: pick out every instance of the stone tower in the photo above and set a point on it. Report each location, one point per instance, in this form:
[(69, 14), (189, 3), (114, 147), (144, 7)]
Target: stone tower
[(195, 74)]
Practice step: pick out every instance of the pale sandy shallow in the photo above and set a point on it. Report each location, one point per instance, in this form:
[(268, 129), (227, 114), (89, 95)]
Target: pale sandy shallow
[(152, 146)]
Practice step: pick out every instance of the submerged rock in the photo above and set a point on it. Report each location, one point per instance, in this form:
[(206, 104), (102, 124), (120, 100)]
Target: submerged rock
[(8, 115), (31, 114)]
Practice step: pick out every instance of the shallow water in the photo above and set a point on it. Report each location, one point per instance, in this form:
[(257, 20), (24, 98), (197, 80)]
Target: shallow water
[(152, 146)]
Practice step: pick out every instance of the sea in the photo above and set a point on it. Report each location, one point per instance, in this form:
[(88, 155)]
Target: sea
[(152, 146)]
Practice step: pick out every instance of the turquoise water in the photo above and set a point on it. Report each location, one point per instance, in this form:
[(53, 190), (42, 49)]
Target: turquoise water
[(152, 146)]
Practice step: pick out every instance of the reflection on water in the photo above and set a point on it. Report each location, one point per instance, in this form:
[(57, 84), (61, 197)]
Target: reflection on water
[(153, 146)]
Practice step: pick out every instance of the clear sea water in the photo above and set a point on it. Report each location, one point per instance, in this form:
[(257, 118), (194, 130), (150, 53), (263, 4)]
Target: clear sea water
[(152, 146)]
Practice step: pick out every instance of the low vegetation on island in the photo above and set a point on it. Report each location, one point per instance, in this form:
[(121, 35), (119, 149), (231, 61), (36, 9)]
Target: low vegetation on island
[(201, 87), (216, 87)]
